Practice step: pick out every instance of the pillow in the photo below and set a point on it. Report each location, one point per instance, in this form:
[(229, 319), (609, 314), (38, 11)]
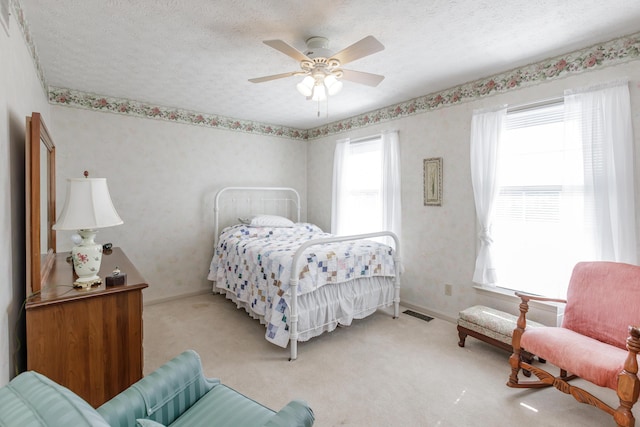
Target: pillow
[(271, 221)]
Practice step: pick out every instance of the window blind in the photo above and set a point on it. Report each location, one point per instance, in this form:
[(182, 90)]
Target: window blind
[(551, 113)]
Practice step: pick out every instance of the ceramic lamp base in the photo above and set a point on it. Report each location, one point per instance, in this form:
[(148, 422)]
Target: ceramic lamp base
[(87, 257), (87, 285)]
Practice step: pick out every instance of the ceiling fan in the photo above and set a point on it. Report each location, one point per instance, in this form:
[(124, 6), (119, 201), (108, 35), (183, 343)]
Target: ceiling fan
[(323, 70)]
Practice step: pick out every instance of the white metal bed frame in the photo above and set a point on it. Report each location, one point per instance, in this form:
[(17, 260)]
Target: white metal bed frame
[(295, 271)]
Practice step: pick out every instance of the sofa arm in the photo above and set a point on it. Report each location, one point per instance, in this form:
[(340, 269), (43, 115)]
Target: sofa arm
[(31, 399), (296, 413), (161, 396)]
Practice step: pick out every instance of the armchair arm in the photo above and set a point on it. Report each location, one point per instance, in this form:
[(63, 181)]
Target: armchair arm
[(524, 308), (521, 325), (529, 297), (161, 396), (295, 414)]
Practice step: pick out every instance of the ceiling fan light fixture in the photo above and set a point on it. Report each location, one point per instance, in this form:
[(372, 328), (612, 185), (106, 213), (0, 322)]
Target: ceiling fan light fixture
[(333, 84), (322, 70), (305, 87)]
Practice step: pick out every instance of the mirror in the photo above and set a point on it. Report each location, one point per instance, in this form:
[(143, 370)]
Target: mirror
[(40, 156)]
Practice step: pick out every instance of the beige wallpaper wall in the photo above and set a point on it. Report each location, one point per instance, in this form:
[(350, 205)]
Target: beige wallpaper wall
[(162, 178), (20, 94), (439, 243)]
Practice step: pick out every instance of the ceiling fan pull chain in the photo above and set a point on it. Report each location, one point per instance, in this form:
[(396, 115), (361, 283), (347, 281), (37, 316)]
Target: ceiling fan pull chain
[(327, 109)]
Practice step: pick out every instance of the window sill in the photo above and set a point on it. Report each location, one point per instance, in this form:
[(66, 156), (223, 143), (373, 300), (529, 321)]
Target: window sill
[(548, 313)]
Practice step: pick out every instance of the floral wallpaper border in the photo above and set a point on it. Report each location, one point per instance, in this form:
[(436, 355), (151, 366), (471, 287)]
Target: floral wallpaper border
[(74, 98), (617, 51), (16, 8), (624, 49)]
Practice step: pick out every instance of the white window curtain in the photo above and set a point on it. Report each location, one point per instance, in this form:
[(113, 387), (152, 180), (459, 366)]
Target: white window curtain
[(598, 119), (390, 184), (339, 190), (391, 189), (487, 127)]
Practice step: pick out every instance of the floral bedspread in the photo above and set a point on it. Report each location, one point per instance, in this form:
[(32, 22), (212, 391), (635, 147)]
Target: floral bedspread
[(255, 264)]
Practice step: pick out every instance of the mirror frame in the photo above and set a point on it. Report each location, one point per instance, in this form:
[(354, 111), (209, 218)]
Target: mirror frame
[(39, 264)]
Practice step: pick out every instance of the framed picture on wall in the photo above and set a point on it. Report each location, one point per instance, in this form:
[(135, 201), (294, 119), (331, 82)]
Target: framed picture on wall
[(433, 181)]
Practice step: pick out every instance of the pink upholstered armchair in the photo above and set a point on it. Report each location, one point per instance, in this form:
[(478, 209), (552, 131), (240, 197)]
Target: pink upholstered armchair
[(599, 339)]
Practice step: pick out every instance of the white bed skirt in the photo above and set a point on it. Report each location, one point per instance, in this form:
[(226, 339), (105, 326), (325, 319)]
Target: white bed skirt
[(329, 306)]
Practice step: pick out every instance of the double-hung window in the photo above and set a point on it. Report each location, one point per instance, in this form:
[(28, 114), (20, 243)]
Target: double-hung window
[(554, 185), (363, 188), (366, 185), (540, 228)]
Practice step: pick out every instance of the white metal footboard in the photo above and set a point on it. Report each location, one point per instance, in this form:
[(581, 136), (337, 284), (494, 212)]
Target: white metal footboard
[(295, 273)]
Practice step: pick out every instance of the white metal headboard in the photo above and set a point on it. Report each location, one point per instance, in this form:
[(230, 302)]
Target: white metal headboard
[(255, 200)]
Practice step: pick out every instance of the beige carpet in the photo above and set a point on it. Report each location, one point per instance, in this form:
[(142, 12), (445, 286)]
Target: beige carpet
[(377, 372)]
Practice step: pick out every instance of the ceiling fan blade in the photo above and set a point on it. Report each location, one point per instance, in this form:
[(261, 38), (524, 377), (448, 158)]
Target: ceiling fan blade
[(360, 49), (361, 77), (273, 77), (287, 49)]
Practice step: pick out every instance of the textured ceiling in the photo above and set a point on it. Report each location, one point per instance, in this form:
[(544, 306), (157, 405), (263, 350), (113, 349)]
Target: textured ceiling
[(198, 54)]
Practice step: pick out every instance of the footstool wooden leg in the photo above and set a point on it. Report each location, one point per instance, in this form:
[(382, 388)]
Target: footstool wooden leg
[(527, 357), (463, 336)]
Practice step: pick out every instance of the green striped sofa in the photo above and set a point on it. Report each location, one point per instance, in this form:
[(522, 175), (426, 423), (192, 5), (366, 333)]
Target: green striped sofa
[(176, 394)]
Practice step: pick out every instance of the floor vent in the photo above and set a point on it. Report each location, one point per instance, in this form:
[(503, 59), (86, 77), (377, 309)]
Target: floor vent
[(418, 315)]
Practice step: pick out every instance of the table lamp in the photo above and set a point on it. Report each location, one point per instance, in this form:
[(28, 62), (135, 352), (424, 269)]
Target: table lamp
[(88, 206)]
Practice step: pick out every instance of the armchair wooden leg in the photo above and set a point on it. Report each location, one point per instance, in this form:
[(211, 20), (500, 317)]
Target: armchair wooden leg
[(628, 383), (514, 361), (526, 357)]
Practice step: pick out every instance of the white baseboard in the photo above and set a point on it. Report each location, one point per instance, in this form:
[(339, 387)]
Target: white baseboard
[(175, 297)]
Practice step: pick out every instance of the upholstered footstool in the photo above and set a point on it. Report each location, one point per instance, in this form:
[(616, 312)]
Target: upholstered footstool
[(491, 326)]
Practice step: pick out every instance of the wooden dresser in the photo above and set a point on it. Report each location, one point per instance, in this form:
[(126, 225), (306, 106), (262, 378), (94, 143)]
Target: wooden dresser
[(90, 341)]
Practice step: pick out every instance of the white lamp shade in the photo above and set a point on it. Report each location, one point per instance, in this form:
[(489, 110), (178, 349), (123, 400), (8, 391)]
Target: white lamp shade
[(87, 206), (319, 93), (333, 84), (305, 87)]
